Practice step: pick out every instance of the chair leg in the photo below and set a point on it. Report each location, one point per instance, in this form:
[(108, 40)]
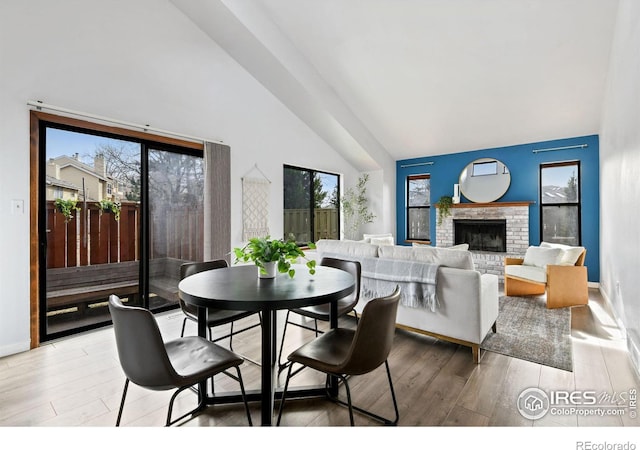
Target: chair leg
[(184, 323), (346, 386), (284, 393), (393, 394), (244, 397), (124, 395), (281, 366), (368, 413), (231, 338), (173, 397)]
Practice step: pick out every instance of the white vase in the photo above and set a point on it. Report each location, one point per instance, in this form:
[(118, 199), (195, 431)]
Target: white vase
[(456, 194), (270, 268)]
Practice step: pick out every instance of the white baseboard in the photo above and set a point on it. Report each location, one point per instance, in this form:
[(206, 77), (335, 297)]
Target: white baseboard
[(634, 351)]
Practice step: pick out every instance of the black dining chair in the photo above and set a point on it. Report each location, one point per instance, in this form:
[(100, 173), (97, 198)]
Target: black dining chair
[(321, 312), (178, 364), (215, 317), (344, 352)]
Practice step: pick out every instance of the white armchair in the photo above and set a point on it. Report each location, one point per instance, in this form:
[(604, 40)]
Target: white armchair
[(555, 269)]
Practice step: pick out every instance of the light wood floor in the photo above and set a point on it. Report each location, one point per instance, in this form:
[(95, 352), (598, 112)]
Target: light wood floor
[(77, 382)]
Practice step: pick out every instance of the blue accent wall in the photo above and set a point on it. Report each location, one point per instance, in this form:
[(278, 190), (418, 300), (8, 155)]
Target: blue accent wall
[(524, 166)]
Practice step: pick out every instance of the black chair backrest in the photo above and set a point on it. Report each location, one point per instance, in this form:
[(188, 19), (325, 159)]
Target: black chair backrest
[(374, 335), (188, 269), (141, 350), (353, 267)]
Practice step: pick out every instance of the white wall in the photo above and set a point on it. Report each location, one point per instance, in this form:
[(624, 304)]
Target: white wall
[(141, 62), (620, 177)]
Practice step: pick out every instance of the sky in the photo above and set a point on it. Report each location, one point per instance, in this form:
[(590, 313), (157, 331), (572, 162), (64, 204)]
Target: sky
[(62, 142)]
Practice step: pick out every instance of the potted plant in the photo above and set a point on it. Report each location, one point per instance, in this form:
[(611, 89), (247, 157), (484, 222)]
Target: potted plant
[(444, 208), (355, 207), (271, 255), (109, 206), (66, 207)]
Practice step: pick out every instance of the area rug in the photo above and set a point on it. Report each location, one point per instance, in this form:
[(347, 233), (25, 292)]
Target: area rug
[(527, 330)]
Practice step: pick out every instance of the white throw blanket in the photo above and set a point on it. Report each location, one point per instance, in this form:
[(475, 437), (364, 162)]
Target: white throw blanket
[(417, 280)]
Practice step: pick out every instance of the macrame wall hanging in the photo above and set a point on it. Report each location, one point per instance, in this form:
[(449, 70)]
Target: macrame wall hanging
[(255, 204)]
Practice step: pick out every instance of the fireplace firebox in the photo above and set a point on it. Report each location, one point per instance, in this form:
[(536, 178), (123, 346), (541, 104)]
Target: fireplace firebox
[(481, 235)]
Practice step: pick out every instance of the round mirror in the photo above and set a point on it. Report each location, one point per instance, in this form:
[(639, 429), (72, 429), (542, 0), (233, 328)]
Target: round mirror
[(484, 180)]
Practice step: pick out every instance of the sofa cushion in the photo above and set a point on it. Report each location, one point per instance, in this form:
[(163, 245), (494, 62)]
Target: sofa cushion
[(457, 259), (354, 249), (570, 254), (532, 273), (541, 256)]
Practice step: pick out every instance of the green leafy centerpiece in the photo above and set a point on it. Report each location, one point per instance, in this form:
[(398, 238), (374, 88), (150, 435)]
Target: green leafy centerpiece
[(273, 254)]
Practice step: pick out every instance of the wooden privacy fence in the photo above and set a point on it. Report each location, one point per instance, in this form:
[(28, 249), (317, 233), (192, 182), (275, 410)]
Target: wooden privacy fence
[(91, 237), (297, 222)]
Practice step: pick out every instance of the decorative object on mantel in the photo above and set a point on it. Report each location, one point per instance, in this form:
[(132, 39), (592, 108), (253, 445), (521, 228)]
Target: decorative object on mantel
[(255, 204), (456, 194), (355, 208), (271, 256), (444, 208), (484, 180)]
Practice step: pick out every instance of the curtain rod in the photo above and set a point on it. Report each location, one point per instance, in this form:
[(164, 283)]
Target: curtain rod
[(403, 166), (538, 150), (40, 105)]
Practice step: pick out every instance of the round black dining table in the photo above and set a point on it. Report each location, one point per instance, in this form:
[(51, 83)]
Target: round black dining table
[(239, 288)]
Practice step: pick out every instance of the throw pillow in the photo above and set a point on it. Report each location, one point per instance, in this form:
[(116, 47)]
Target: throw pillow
[(542, 256), (382, 240), (367, 237), (570, 254)]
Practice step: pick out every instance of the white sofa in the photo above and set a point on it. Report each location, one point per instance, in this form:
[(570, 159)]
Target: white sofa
[(465, 307)]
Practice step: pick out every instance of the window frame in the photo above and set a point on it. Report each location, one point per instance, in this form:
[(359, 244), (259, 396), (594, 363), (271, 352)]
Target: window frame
[(577, 203), (409, 178)]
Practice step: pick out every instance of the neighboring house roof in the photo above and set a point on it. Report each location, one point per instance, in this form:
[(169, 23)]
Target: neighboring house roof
[(66, 161), (61, 183)]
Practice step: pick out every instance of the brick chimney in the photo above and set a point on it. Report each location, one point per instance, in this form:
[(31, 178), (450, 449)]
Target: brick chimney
[(99, 165)]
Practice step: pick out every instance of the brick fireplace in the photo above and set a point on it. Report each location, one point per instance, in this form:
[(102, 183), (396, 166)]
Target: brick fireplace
[(516, 216)]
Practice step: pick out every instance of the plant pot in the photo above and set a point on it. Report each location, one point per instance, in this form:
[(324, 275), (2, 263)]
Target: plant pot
[(270, 268)]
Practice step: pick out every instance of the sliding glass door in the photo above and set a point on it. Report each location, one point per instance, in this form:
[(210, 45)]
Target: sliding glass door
[(176, 221), (117, 216)]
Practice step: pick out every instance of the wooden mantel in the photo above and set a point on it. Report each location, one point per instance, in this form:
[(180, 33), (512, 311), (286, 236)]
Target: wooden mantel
[(491, 205)]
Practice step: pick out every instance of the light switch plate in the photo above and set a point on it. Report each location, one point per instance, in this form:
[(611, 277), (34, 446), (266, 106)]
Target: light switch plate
[(17, 206)]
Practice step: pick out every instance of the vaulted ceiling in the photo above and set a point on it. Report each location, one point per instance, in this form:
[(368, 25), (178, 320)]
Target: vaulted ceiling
[(380, 79)]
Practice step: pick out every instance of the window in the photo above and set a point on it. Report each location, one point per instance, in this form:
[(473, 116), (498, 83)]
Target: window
[(560, 203), (311, 205), (485, 168), (418, 207)]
